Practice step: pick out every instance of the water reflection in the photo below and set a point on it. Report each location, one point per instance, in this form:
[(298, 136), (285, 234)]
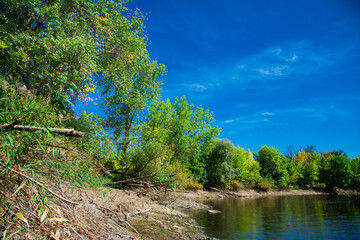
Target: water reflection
[(290, 217)]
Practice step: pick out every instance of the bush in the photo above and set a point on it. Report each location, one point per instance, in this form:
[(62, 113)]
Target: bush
[(182, 180), (234, 185), (318, 186), (194, 185), (263, 185)]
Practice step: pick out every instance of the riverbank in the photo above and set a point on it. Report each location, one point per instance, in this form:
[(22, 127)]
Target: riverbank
[(106, 213)]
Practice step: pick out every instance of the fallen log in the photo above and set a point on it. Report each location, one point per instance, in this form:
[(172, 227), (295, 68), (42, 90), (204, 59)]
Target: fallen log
[(228, 193), (131, 180), (136, 179), (64, 132)]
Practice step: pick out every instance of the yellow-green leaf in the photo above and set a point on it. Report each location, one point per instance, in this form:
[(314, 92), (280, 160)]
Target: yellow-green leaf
[(21, 217)]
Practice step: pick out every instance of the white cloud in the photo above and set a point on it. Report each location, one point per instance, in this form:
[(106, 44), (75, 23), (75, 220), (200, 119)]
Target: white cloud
[(229, 121), (268, 114), (274, 71), (294, 58), (196, 87)]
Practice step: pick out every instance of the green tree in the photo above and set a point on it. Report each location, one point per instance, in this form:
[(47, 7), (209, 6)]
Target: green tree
[(126, 95), (56, 47), (96, 141), (273, 165), (129, 77), (246, 168), (50, 46), (310, 169), (340, 170), (355, 167), (221, 163), (185, 130), (335, 169)]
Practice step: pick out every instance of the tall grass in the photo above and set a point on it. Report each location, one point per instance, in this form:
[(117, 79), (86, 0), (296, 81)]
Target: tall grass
[(39, 155)]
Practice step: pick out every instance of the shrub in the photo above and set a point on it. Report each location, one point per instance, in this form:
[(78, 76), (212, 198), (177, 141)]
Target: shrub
[(194, 185), (263, 185), (182, 180), (234, 185), (318, 186)]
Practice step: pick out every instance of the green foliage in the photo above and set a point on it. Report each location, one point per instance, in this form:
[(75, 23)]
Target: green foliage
[(221, 164), (264, 185), (51, 45), (129, 77), (310, 170), (144, 159), (355, 167), (96, 141), (304, 168), (247, 169), (80, 173), (340, 174), (273, 165), (126, 95), (37, 149), (17, 102), (56, 47), (234, 185), (186, 131), (335, 169)]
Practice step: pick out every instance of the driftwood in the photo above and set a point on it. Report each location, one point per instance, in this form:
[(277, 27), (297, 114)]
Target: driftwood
[(64, 132), (126, 215), (227, 193), (148, 185)]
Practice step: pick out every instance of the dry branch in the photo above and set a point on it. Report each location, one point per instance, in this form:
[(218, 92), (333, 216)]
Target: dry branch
[(226, 192), (11, 125), (64, 132), (131, 181)]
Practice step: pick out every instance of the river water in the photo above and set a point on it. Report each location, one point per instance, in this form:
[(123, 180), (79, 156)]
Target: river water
[(284, 217)]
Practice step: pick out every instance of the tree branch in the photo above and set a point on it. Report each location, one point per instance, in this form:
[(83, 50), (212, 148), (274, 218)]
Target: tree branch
[(64, 132)]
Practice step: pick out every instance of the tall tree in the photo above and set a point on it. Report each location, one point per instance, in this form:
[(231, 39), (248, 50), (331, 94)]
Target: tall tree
[(221, 163), (247, 169), (126, 94), (273, 165), (184, 129)]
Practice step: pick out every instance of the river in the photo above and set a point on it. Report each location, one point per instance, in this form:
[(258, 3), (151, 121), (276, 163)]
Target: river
[(283, 217)]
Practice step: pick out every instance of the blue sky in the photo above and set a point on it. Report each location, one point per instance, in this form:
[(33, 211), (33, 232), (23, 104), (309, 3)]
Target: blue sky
[(275, 73)]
